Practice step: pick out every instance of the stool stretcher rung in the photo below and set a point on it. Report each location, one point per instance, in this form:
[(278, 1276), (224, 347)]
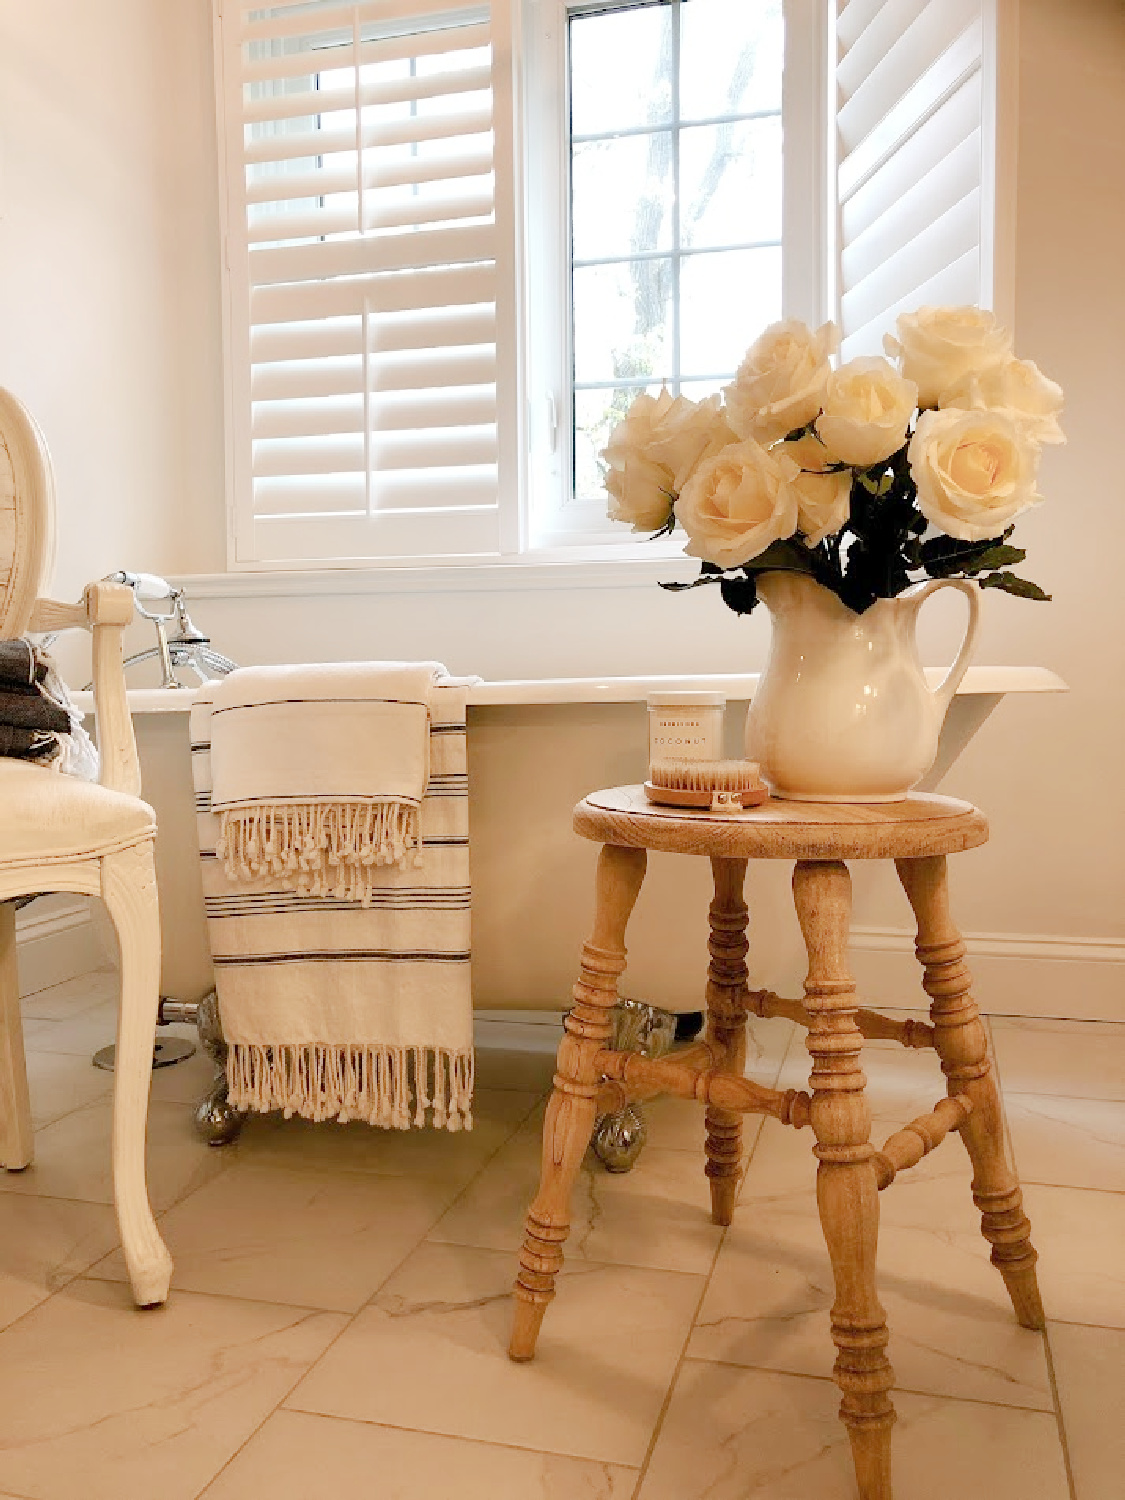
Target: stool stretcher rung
[(644, 1077), (872, 1025), (907, 1147), (614, 1095)]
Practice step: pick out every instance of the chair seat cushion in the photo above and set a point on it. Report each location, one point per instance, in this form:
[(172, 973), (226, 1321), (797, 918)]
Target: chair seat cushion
[(45, 816)]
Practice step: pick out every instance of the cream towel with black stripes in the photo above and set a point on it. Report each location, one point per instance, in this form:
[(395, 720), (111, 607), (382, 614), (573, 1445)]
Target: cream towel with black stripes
[(344, 987)]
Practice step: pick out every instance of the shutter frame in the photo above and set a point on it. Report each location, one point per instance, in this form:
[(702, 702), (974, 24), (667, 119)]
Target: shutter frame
[(919, 190), (399, 321)]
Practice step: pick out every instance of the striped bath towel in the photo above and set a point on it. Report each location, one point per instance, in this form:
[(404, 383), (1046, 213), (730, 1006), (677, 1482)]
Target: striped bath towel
[(354, 1005)]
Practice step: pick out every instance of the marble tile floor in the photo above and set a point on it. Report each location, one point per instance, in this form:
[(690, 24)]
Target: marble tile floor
[(340, 1305)]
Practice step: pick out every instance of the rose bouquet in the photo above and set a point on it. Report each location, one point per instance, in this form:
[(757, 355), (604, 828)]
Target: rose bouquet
[(870, 477)]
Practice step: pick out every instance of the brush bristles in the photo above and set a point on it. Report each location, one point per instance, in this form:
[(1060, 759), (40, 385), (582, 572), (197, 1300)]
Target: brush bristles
[(705, 775)]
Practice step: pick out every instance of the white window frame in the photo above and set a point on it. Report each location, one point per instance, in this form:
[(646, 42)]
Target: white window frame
[(556, 523), (536, 177)]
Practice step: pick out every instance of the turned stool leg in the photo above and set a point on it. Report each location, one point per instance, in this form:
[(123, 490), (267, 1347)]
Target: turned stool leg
[(572, 1108), (726, 1026), (962, 1046), (846, 1190)]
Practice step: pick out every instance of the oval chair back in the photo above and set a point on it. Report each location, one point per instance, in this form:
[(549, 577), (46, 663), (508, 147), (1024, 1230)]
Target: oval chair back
[(27, 515)]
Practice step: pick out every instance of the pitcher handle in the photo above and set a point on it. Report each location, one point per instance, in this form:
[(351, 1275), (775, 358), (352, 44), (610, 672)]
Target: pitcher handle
[(949, 684)]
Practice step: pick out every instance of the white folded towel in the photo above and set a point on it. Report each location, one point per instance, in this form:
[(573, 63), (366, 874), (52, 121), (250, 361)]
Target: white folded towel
[(343, 983), (319, 772)]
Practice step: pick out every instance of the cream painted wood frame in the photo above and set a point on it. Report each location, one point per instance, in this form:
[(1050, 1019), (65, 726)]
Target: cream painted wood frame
[(98, 842)]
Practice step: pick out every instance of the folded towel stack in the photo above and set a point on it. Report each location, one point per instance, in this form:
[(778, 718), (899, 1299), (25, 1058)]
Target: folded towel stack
[(30, 719), (333, 830)]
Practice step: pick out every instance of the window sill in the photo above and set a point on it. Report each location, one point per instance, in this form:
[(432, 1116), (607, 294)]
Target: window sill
[(639, 566)]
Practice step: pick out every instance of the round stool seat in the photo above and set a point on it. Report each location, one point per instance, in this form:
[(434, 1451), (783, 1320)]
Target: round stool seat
[(921, 825)]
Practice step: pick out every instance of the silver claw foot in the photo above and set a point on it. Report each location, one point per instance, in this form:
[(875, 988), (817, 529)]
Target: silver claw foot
[(619, 1138), (216, 1119)]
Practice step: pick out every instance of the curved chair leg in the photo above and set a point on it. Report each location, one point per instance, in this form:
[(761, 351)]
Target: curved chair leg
[(572, 1108), (16, 1134), (846, 1190), (726, 1024), (962, 1046), (129, 891)]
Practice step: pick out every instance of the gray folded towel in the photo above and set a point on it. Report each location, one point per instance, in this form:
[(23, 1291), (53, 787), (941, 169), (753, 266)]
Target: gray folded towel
[(30, 708), (20, 665), (27, 744)]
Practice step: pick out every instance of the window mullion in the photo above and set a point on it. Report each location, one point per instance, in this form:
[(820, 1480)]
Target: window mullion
[(676, 303)]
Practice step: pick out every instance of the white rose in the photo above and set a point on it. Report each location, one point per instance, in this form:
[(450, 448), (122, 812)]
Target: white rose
[(737, 503), (652, 452), (686, 433), (938, 346), (1019, 387), (824, 500), (975, 471), (867, 409), (779, 384)]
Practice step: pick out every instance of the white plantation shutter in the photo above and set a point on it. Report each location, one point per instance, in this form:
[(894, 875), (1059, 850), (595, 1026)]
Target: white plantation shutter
[(370, 278), (914, 131)]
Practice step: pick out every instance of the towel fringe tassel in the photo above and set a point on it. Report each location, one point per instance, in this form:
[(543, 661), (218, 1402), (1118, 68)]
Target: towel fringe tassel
[(388, 1086), (319, 848)]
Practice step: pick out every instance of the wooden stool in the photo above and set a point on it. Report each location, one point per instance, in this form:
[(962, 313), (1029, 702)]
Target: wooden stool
[(592, 1080)]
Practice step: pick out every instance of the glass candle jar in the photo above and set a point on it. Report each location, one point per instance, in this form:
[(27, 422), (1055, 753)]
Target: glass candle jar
[(685, 726)]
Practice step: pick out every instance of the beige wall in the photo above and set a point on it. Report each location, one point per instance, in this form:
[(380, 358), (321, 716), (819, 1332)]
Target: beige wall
[(109, 285), (110, 330)]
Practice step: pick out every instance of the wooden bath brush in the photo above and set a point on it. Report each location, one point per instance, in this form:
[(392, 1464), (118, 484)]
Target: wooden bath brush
[(720, 785)]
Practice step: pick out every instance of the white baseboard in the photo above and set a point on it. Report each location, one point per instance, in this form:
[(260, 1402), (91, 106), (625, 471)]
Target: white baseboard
[(56, 940), (1013, 974)]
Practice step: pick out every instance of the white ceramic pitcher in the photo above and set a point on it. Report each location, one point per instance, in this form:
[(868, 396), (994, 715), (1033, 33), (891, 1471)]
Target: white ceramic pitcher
[(843, 712)]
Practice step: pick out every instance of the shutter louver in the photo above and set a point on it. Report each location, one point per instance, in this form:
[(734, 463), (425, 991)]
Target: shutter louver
[(369, 277), (911, 215)]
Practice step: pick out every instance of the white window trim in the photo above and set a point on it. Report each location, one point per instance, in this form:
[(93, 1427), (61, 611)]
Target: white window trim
[(808, 293), (543, 130), (583, 550)]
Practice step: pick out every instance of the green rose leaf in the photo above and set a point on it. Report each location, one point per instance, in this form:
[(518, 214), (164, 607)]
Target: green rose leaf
[(678, 588), (1023, 588), (739, 594), (785, 556)]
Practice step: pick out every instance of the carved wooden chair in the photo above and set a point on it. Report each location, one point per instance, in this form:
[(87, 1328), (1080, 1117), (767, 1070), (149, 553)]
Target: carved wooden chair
[(60, 833), (593, 1078)]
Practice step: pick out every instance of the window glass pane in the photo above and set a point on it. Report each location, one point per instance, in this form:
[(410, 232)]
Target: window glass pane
[(596, 413), (730, 183), (623, 321), (677, 208), (621, 69), (728, 298), (731, 54), (622, 195)]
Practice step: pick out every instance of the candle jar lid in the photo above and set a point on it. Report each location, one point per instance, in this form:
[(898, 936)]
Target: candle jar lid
[(687, 700)]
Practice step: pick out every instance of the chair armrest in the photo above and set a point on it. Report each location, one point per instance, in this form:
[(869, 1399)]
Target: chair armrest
[(105, 610)]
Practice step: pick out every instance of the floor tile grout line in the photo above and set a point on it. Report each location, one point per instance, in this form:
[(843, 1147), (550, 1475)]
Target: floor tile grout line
[(896, 1390), (674, 1380), (595, 1262), (192, 1291), (1074, 1188), (449, 1207), (1077, 1098), (1116, 1328), (683, 1355), (275, 1408), (453, 1437), (351, 1318), (1063, 1443)]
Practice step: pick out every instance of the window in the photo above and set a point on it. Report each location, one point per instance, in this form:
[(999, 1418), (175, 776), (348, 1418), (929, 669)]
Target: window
[(675, 171), (461, 236)]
